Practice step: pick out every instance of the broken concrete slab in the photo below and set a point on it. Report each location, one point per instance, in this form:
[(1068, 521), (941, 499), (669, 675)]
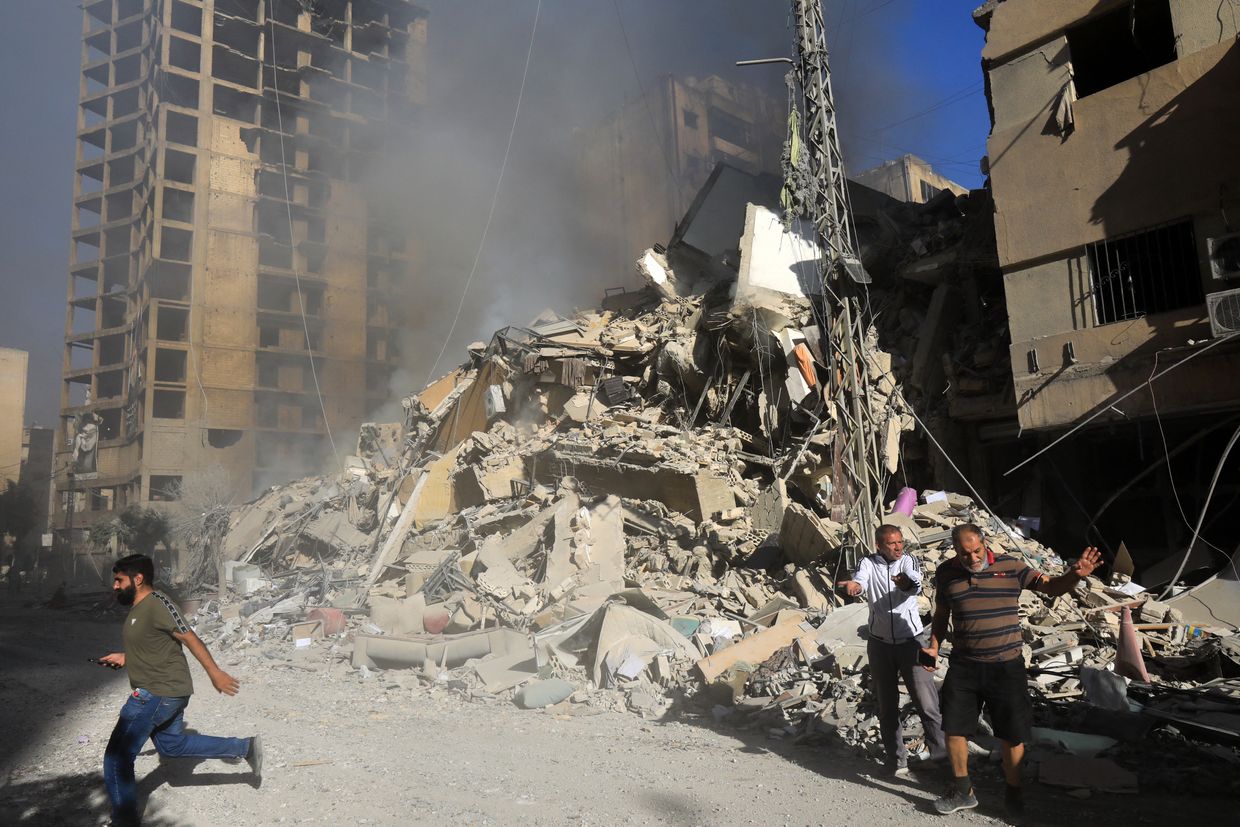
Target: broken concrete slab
[(845, 625), (1214, 603), (806, 537), (776, 264), (653, 267), (496, 476), (334, 530), (499, 673), (447, 651), (754, 649), (695, 495)]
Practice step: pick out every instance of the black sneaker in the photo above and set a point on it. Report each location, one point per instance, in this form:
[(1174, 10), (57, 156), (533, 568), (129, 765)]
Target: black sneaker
[(255, 756), (954, 801)]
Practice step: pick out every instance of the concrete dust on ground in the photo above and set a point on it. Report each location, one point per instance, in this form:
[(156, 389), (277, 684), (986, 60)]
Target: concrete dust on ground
[(344, 749)]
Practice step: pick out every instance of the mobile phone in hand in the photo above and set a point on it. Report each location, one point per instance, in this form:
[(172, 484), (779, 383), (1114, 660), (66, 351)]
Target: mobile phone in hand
[(104, 663), (924, 659)]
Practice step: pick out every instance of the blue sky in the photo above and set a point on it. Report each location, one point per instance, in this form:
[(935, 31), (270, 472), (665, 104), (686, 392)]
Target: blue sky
[(907, 76), (930, 95)]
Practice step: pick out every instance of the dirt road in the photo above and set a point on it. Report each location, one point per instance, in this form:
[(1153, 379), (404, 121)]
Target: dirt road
[(343, 749)]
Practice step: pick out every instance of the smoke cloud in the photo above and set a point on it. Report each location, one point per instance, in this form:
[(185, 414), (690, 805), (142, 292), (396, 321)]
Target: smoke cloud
[(444, 172)]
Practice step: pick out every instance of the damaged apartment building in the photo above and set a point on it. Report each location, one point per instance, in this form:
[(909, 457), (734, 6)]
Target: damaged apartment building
[(227, 259), (641, 167), (1116, 182)]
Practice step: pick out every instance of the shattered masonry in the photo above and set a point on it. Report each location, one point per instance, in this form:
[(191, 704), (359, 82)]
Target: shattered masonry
[(593, 510)]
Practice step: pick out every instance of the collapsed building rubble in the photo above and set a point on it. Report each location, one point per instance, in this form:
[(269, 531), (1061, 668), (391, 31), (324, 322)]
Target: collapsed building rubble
[(628, 509)]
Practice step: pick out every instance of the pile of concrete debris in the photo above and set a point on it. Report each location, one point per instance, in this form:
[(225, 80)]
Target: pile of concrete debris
[(628, 509), (556, 521)]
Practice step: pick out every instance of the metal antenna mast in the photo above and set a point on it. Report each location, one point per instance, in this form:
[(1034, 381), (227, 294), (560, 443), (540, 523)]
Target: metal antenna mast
[(858, 478)]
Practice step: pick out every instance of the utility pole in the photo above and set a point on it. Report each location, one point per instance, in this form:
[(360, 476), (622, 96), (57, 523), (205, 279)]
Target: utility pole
[(858, 472), (858, 478)]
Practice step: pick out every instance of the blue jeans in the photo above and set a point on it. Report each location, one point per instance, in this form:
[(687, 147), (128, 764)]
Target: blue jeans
[(162, 720)]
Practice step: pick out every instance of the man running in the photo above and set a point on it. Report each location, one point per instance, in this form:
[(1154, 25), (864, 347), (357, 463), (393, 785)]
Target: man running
[(154, 634)]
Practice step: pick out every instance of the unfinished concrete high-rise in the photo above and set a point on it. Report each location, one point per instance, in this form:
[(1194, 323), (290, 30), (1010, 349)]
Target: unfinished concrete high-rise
[(13, 364), (228, 287)]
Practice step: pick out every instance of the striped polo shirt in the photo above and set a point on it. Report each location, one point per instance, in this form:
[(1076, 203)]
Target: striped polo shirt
[(985, 607)]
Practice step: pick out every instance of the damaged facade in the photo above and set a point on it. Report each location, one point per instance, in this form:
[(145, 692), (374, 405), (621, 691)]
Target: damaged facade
[(908, 178), (658, 149), (1116, 182), (628, 509), (631, 507), (222, 237)]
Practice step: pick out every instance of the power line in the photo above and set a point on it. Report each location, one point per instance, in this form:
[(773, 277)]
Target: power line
[(871, 10), (288, 205), (503, 167), (1218, 469), (1104, 408), (955, 97)]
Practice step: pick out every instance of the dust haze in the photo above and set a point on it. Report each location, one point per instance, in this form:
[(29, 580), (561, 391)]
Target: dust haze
[(443, 173)]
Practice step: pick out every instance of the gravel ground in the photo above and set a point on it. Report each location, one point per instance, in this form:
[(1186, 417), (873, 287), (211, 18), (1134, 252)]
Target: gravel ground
[(341, 749)]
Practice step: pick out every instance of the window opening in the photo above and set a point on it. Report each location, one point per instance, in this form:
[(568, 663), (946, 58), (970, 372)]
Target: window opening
[(1149, 272)]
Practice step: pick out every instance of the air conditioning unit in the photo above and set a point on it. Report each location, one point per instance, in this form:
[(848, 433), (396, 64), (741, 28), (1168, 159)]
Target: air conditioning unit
[(1224, 252), (1224, 310)]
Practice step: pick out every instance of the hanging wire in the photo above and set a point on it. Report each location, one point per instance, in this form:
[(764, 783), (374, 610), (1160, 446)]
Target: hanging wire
[(288, 205), (499, 182)]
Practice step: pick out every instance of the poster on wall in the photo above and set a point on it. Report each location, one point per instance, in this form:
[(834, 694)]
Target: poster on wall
[(86, 445)]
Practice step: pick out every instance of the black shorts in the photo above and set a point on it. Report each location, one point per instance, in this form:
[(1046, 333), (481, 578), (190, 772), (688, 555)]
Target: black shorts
[(999, 687)]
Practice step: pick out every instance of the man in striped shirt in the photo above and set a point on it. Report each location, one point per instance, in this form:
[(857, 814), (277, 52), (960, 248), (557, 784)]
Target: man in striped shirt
[(979, 593)]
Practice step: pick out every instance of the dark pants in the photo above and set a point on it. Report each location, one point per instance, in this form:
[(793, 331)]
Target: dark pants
[(161, 719), (888, 664)]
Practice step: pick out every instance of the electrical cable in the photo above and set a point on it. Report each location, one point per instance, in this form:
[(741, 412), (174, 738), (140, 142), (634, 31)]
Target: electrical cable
[(955, 467), (1218, 469), (1112, 404), (503, 167), (955, 97), (301, 304), (867, 12), (1175, 491)]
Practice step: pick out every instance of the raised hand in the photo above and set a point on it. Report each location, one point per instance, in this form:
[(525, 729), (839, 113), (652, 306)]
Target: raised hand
[(1089, 560)]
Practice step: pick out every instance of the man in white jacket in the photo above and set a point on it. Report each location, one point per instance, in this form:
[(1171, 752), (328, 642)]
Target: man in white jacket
[(891, 581)]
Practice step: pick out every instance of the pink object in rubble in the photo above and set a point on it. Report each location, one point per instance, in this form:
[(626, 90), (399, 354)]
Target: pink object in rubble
[(1128, 660), (436, 619), (905, 501), (333, 620)]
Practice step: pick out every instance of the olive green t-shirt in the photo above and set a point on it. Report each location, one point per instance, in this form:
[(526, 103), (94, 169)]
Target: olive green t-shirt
[(153, 657)]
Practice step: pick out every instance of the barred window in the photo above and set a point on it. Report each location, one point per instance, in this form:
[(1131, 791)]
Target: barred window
[(1148, 272)]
